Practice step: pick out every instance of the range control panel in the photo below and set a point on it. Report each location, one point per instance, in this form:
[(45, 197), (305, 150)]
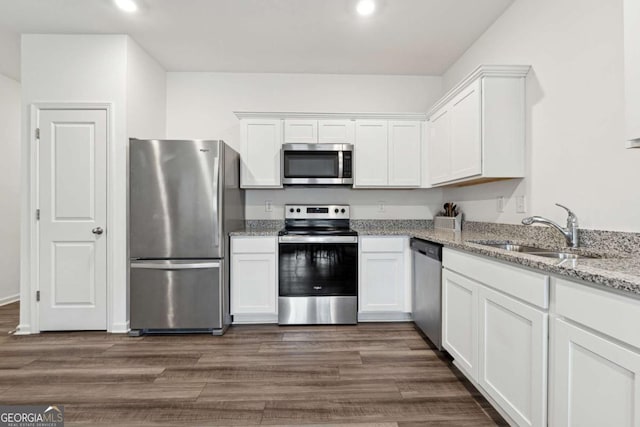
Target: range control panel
[(316, 212)]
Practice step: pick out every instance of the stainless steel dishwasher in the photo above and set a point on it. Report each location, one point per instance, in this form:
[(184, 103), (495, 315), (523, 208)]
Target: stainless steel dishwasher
[(427, 289)]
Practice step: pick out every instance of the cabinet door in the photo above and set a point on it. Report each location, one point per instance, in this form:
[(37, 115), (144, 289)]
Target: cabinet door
[(466, 141), (253, 283), (336, 131), (300, 131), (594, 381), (632, 71), (381, 282), (440, 147), (512, 359), (404, 153), (261, 141), (460, 321), (371, 154)]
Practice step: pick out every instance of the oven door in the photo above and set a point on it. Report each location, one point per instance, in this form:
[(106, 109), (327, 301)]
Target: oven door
[(318, 266), (309, 164)]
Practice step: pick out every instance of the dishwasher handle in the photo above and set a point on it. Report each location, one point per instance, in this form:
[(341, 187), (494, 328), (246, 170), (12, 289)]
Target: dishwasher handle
[(428, 249)]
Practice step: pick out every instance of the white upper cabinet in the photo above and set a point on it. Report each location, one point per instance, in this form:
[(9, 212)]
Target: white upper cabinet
[(388, 153), (632, 71), (466, 140), (439, 144), (477, 131), (371, 155), (405, 153), (336, 131), (300, 131), (261, 140), (389, 149)]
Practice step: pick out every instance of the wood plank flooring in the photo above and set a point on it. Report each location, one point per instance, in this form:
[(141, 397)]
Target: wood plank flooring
[(381, 374)]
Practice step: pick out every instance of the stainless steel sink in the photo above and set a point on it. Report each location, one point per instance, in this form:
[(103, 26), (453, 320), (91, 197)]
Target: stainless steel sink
[(563, 255), (532, 250), (513, 247)]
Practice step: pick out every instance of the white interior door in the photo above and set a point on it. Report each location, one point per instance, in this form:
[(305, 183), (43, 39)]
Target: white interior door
[(72, 188)]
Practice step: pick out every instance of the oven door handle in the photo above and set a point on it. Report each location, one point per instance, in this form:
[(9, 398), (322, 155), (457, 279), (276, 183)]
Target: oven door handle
[(318, 239)]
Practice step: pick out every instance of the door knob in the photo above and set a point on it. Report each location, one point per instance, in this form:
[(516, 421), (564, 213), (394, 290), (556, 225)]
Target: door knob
[(97, 230)]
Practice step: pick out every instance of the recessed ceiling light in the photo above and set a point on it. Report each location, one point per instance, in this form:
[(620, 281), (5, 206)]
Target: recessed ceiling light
[(366, 7), (127, 5)]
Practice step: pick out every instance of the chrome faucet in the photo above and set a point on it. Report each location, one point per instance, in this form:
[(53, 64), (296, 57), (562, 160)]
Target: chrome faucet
[(570, 233)]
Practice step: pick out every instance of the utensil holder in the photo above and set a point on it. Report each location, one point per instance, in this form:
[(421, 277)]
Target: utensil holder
[(451, 223)]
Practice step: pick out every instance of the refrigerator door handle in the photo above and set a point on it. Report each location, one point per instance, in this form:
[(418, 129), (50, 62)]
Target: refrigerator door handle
[(216, 225), (167, 265)]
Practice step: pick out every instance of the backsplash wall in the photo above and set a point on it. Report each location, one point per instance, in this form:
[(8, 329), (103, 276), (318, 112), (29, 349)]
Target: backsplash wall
[(365, 204)]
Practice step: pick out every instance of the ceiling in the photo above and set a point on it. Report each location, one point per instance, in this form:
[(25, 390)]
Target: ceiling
[(419, 37)]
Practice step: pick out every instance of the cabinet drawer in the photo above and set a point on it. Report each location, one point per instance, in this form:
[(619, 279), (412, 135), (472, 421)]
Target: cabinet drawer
[(526, 285), (253, 245), (612, 314), (382, 244)]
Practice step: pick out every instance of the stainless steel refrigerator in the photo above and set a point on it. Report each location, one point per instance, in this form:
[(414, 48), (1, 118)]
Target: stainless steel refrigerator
[(184, 199)]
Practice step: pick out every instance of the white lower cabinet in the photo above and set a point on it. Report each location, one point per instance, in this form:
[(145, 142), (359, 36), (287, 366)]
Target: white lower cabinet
[(594, 357), (254, 290), (459, 321), (595, 381), (512, 360), (498, 339), (384, 282)]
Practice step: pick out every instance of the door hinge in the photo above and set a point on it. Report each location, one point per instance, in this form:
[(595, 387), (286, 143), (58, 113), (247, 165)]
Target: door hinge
[(37, 133), (37, 295), (37, 214)]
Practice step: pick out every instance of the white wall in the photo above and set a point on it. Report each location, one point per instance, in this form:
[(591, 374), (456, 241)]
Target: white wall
[(9, 190), (575, 134), (146, 94), (79, 68), (201, 105)]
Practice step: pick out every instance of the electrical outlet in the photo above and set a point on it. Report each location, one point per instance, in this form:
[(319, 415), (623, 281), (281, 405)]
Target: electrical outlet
[(500, 204), (521, 204), (268, 206), (381, 206)]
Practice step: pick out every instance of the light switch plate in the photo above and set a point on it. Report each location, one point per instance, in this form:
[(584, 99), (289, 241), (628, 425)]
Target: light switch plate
[(500, 204), (381, 206), (268, 206), (521, 204)]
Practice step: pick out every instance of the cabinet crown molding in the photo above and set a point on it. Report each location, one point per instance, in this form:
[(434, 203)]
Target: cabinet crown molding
[(517, 71), (329, 116)]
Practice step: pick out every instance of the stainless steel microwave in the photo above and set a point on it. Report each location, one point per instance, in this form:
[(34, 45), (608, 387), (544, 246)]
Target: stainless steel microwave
[(317, 164)]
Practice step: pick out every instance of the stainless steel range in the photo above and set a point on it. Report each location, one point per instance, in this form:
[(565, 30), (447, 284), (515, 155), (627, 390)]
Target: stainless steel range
[(318, 265)]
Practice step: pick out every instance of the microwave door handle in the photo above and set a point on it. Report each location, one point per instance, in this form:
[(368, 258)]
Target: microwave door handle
[(340, 164)]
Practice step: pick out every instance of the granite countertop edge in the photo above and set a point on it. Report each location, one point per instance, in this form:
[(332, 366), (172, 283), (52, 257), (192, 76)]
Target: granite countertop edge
[(258, 232)]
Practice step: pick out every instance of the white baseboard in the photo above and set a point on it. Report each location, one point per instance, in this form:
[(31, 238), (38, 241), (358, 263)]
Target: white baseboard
[(384, 317), (120, 328), (23, 330), (248, 319), (10, 299)]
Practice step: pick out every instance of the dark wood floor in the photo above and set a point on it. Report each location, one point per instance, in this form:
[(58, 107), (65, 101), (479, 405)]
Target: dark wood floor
[(367, 375)]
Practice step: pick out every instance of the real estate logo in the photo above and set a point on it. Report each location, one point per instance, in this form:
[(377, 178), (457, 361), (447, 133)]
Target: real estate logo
[(31, 416)]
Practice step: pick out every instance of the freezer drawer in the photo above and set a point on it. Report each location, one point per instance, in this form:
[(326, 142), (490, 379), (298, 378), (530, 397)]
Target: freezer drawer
[(176, 294)]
